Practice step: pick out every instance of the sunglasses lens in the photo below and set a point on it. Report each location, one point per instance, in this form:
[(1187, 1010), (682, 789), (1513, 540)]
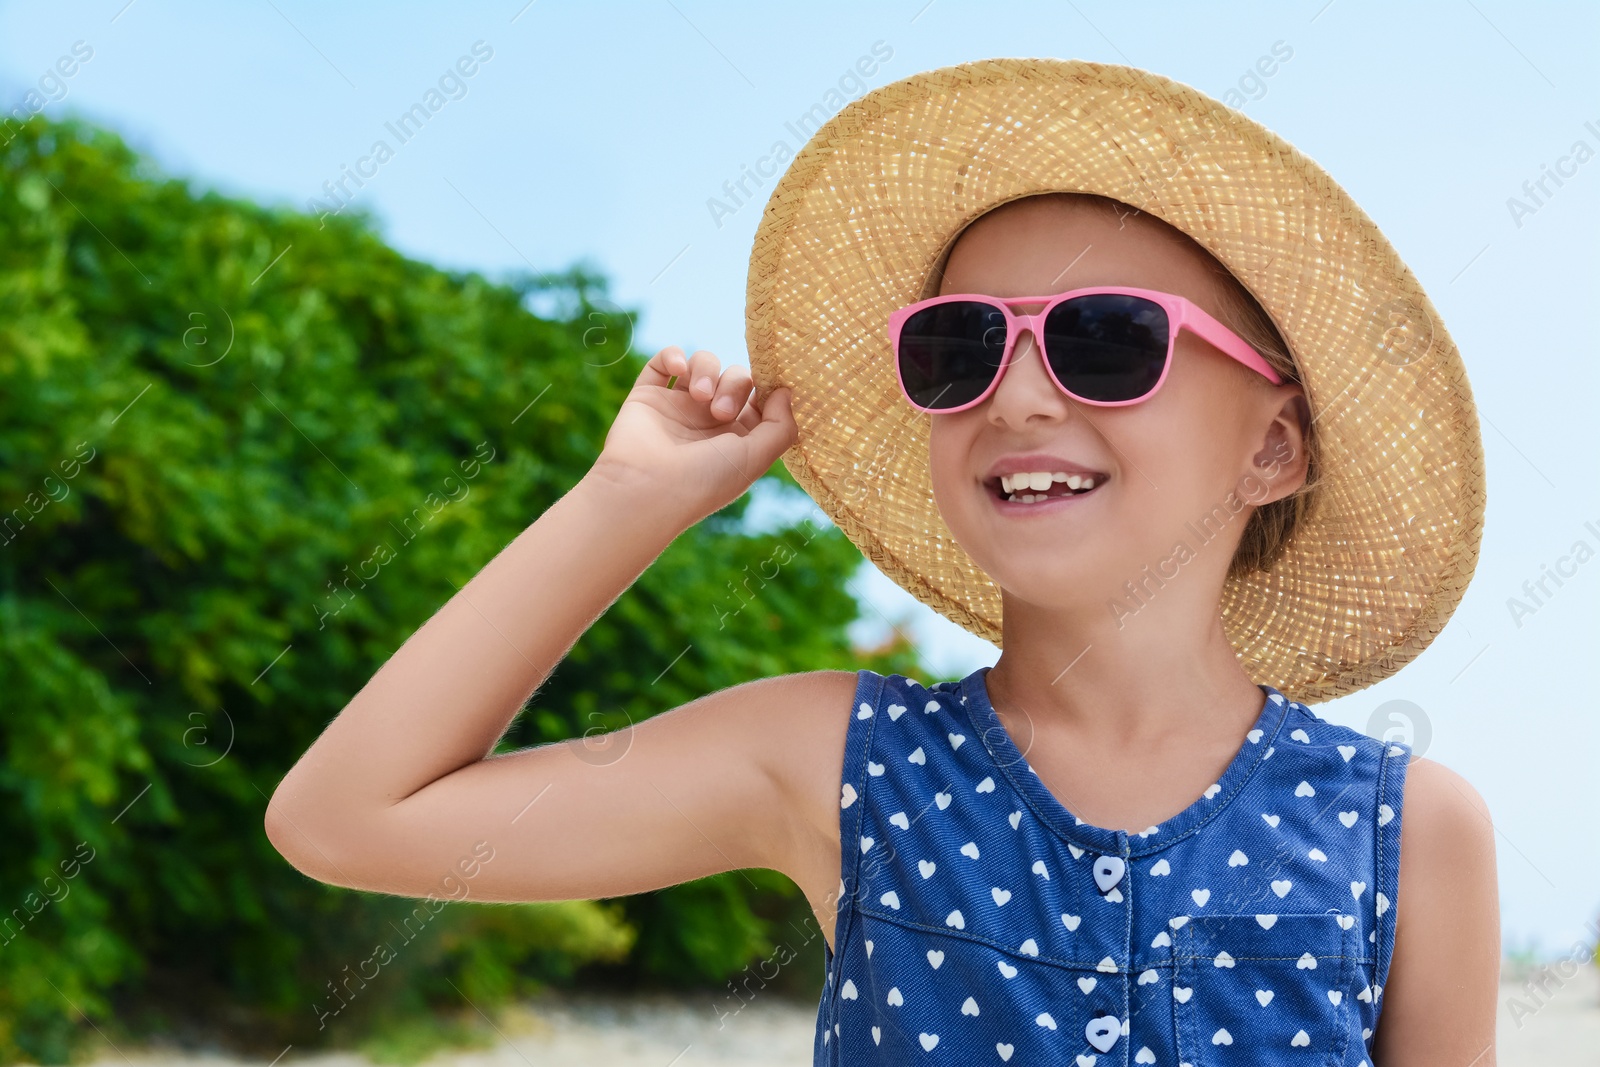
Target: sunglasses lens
[(1107, 346), (949, 353)]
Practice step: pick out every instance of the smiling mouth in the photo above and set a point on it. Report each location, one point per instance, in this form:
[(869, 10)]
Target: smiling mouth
[(1038, 487)]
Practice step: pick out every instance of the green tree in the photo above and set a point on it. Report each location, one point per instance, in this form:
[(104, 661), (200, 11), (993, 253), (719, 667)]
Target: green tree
[(243, 454)]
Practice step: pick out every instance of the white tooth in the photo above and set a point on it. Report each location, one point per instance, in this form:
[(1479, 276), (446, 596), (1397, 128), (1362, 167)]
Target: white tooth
[(1059, 476), (1011, 499), (1039, 480), (1088, 483), (1073, 481), (1005, 483)]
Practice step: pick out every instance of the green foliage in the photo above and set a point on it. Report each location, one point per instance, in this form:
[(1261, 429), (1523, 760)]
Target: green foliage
[(243, 455)]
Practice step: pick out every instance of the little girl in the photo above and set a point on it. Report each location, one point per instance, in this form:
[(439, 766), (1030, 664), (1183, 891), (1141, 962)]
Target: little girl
[(1074, 346)]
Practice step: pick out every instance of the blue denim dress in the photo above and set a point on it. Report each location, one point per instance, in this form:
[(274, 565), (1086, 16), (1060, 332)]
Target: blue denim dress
[(981, 922)]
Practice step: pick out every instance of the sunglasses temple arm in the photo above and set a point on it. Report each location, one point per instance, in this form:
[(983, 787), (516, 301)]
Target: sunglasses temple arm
[(1213, 332)]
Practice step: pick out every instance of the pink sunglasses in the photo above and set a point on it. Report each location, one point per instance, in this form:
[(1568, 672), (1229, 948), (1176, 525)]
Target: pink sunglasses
[(1108, 345)]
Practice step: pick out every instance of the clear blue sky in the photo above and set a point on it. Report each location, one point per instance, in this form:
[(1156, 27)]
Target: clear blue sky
[(599, 132)]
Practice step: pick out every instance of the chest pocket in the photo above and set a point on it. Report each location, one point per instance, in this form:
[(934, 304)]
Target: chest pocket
[(1265, 989)]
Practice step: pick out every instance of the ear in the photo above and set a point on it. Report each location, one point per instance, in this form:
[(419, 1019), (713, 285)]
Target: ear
[(1281, 463)]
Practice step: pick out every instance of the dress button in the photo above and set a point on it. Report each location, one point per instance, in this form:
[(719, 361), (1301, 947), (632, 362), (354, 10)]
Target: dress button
[(1108, 872), (1103, 1031)]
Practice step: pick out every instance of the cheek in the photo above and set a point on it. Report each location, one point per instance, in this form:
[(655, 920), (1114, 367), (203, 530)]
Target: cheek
[(947, 452)]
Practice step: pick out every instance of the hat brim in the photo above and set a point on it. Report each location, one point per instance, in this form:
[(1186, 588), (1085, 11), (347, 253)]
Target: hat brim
[(868, 209)]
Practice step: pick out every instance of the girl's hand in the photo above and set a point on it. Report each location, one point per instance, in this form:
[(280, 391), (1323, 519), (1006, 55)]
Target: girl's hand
[(699, 441)]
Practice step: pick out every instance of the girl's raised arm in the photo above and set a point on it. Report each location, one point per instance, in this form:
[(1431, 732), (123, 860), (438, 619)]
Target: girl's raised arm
[(400, 792)]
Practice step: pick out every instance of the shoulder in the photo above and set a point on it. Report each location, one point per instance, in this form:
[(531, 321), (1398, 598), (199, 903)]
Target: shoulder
[(1440, 1000), (1446, 820)]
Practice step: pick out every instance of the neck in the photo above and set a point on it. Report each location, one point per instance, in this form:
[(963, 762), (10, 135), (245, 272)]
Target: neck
[(1111, 681)]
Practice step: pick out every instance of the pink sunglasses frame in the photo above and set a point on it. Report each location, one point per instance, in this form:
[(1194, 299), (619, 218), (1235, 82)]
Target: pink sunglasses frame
[(1182, 314)]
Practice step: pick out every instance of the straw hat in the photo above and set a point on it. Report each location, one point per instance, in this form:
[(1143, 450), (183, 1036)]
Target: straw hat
[(863, 218)]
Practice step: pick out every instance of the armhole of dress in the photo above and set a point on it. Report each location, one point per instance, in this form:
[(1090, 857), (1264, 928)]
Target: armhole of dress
[(853, 779), (1394, 762)]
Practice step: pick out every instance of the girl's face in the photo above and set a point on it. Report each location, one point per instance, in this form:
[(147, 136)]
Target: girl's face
[(1164, 469)]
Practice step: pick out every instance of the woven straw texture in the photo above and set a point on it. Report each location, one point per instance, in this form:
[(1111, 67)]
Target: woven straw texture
[(863, 218)]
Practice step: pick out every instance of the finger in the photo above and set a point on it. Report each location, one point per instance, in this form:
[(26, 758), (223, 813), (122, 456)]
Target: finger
[(775, 434), (704, 370), (662, 367), (732, 391)]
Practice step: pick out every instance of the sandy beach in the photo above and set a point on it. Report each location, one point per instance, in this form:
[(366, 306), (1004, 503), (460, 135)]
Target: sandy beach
[(1556, 1027)]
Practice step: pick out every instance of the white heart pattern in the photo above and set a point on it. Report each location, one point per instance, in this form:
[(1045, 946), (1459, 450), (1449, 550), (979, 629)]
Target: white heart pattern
[(917, 756), (863, 712), (928, 1040), (899, 819), (942, 800), (847, 796), (935, 957), (1005, 1050), (1000, 895), (1304, 789), (985, 786), (894, 998), (1348, 818), (1087, 984), (895, 711), (874, 769), (926, 868), (1006, 969), (1300, 1039), (1264, 997), (970, 849), (1070, 921), (969, 1007), (1144, 1055), (1159, 868)]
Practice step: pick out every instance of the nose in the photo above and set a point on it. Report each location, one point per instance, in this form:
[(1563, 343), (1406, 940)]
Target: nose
[(1026, 392)]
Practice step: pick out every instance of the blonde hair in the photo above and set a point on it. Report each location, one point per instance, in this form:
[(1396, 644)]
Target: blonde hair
[(1272, 525)]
